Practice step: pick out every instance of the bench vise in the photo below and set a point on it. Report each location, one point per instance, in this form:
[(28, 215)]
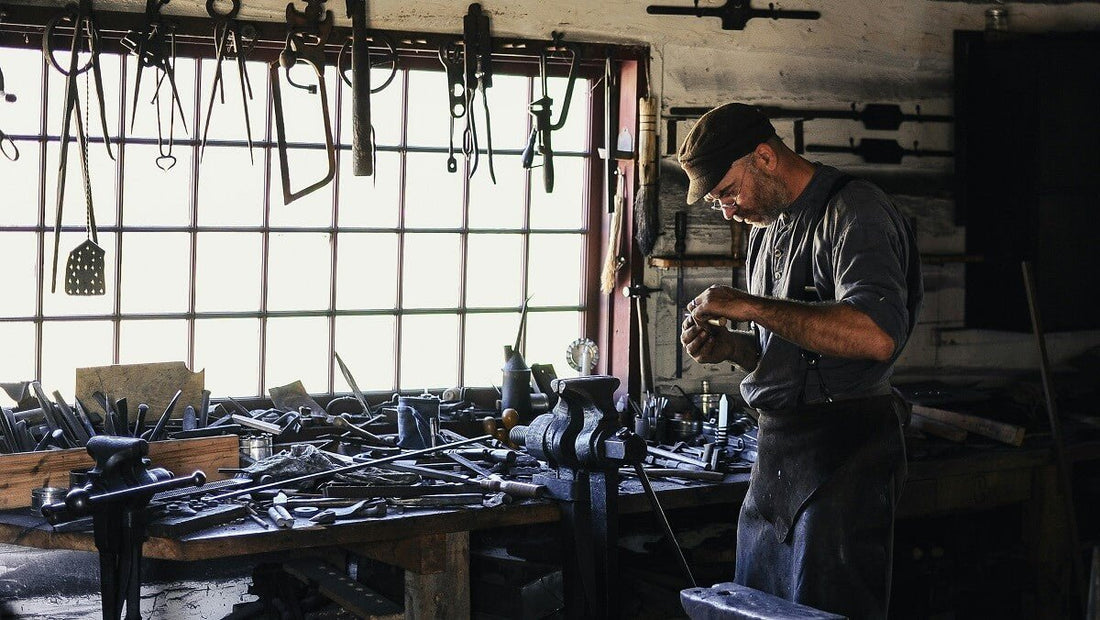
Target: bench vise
[(119, 489), (584, 445)]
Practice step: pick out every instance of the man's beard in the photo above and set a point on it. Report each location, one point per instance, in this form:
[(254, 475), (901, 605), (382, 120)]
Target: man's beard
[(770, 196)]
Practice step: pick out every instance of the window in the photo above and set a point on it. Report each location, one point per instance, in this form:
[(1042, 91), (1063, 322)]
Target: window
[(415, 275)]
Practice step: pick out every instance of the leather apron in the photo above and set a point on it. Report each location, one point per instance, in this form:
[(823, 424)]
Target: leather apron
[(816, 526)]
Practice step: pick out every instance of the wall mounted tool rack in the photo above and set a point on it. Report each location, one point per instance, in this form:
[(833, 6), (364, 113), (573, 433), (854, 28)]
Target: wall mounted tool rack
[(415, 50), (874, 116)]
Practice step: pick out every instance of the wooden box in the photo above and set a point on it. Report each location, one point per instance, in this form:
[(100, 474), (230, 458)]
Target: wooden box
[(19, 473)]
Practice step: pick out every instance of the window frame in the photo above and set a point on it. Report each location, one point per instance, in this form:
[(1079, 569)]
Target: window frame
[(415, 52)]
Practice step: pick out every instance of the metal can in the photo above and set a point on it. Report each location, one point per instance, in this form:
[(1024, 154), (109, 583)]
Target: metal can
[(256, 448), (44, 496)]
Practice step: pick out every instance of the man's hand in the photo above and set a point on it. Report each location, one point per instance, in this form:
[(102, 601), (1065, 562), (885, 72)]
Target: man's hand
[(706, 343), (723, 302)]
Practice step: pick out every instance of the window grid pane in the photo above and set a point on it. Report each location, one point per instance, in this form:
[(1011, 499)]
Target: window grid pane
[(204, 261)]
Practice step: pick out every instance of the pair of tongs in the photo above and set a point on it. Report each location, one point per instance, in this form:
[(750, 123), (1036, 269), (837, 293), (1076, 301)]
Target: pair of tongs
[(85, 268)]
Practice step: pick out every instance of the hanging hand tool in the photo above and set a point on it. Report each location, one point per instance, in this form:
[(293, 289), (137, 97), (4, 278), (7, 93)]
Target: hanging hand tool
[(646, 208), (541, 110), (307, 33), (878, 150), (477, 56), (7, 146), (362, 140), (231, 40), (735, 14), (154, 45), (85, 269), (639, 293), (680, 248), (451, 58)]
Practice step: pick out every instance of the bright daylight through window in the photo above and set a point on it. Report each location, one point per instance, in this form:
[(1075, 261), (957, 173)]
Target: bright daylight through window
[(414, 275)]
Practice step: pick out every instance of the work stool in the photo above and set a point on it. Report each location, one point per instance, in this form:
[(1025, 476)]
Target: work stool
[(730, 601)]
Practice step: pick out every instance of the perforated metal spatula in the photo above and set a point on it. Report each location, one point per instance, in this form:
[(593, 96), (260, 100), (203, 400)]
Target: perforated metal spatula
[(84, 271)]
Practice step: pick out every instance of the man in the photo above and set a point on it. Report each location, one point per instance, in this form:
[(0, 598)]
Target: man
[(834, 288)]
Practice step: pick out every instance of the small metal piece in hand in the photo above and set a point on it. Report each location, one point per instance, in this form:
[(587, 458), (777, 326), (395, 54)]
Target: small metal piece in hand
[(84, 271)]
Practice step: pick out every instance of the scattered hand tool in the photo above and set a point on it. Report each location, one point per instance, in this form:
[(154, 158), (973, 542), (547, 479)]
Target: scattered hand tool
[(280, 516), (355, 388), (231, 40), (154, 434), (307, 33), (735, 14), (541, 110), (347, 468), (85, 268), (364, 508), (122, 423), (344, 422), (498, 484), (82, 432)]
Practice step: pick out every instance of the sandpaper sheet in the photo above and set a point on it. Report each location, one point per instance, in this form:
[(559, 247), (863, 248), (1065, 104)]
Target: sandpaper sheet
[(153, 384)]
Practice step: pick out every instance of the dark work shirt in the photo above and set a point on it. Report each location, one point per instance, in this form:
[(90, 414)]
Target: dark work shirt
[(860, 251)]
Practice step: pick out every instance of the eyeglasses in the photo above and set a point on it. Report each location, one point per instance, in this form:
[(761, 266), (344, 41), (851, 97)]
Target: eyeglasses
[(716, 203)]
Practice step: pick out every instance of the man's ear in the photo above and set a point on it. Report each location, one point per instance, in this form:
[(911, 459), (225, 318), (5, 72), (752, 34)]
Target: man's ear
[(765, 157)]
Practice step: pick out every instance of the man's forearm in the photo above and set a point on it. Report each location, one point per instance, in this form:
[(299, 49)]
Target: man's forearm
[(835, 329)]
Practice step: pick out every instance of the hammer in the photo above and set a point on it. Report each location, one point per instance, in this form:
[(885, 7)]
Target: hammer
[(639, 292)]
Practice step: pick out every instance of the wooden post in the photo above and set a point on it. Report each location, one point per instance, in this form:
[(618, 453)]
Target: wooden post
[(444, 594)]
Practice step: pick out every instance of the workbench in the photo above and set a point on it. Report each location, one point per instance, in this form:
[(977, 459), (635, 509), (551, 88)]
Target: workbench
[(432, 545)]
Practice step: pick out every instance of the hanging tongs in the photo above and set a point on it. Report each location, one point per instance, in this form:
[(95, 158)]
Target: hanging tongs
[(541, 110), (86, 262), (232, 39), (307, 33), (153, 45)]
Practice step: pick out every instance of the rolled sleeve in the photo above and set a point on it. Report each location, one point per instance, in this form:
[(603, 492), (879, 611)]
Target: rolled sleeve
[(869, 268)]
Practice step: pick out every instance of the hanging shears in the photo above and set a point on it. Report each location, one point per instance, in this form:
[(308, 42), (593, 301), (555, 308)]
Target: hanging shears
[(79, 18), (231, 40), (541, 110), (154, 46)]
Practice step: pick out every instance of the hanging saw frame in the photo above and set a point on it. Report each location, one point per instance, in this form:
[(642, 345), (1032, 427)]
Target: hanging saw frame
[(307, 33)]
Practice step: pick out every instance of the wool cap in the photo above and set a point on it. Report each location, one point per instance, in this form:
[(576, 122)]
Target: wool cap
[(722, 136)]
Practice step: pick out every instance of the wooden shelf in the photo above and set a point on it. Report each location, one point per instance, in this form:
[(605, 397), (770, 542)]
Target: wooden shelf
[(695, 260), (711, 260)]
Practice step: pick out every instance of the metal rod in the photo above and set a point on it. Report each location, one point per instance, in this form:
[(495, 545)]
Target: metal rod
[(1056, 433), (346, 468), (638, 469)]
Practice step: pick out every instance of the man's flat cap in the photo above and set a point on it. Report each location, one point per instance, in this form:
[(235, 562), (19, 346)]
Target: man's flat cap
[(722, 136)]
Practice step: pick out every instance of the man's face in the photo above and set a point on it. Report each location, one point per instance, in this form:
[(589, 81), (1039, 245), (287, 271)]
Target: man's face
[(748, 194)]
